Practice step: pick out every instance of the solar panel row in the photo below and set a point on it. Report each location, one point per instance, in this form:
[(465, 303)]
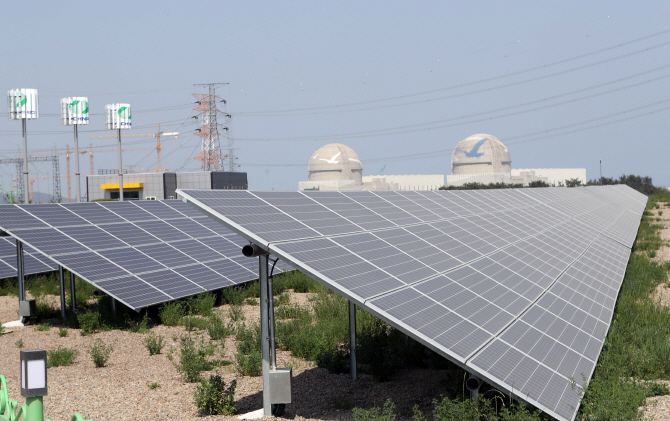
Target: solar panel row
[(33, 262), (464, 272), (140, 253)]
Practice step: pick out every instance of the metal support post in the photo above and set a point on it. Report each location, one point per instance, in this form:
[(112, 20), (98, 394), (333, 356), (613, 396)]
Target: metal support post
[(472, 384), (72, 292), (352, 340), (113, 307), (76, 163), (120, 168), (26, 180), (265, 339), (34, 409), (20, 272), (61, 278), (271, 310)]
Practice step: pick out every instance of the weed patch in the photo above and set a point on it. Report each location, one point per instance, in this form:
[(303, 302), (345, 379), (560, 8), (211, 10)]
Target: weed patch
[(61, 357), (192, 359), (172, 313), (89, 322), (212, 397), (191, 323), (217, 329), (248, 356), (154, 344), (100, 352)]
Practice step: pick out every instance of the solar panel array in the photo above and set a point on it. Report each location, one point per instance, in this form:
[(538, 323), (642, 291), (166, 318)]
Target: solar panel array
[(33, 262), (516, 285), (140, 252)]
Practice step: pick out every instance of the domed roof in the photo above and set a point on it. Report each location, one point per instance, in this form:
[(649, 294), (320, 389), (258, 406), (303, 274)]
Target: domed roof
[(335, 162), (480, 154)]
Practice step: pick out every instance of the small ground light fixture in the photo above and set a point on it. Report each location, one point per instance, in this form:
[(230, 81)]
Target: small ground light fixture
[(34, 373)]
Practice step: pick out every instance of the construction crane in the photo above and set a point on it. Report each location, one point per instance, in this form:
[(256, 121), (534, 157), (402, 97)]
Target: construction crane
[(159, 147)]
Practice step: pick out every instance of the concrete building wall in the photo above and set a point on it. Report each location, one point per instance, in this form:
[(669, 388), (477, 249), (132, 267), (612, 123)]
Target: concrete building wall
[(410, 182), (554, 175), (152, 185), (163, 185)]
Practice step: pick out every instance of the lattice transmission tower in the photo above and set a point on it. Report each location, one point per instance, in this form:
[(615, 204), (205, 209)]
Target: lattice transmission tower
[(211, 156)]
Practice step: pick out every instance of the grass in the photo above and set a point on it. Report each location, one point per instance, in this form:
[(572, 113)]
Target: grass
[(153, 386), (19, 343), (172, 313), (61, 357), (43, 327), (62, 332), (636, 348)]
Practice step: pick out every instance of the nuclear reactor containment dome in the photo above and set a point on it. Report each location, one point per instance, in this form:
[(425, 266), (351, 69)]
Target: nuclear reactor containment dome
[(480, 154), (335, 162)]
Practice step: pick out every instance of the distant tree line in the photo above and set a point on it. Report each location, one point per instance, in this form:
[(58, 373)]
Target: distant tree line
[(640, 183)]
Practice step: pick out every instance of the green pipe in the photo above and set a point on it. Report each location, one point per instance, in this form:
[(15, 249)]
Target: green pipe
[(35, 409)]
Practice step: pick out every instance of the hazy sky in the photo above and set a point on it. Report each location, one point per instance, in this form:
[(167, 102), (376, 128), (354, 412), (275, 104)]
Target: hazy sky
[(563, 84)]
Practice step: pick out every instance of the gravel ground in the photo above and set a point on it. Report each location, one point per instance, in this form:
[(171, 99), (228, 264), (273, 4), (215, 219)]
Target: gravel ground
[(120, 390)]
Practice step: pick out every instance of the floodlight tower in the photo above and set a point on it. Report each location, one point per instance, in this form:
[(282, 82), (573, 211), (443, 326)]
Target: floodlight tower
[(74, 111), (23, 104), (118, 118), (212, 159)]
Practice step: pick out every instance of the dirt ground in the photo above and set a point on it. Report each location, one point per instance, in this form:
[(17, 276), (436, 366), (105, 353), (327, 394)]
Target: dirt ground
[(120, 391)]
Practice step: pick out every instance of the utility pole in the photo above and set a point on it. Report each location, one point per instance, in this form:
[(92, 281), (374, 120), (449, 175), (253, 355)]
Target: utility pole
[(601, 172), (212, 158)]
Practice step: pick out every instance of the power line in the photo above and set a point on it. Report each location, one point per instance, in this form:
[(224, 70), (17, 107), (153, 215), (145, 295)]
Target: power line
[(490, 79), (545, 134), (414, 128)]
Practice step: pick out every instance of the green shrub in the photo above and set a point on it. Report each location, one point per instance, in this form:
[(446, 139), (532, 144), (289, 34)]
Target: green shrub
[(172, 313), (153, 385), (290, 312), (201, 304), (89, 322), (62, 332), (387, 413), (282, 300), (217, 329), (234, 296), (192, 322), (2, 330), (154, 344), (100, 352), (43, 327), (61, 357), (251, 302), (19, 343), (138, 326), (212, 397), (192, 359), (46, 310), (248, 356), (236, 313)]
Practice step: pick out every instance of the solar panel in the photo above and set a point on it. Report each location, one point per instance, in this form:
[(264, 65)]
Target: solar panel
[(517, 286), (141, 252), (33, 262)]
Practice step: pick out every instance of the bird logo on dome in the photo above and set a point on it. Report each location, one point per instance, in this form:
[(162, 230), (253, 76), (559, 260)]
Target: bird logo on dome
[(474, 151), (331, 160)]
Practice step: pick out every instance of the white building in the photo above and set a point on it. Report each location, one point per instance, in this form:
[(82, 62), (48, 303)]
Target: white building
[(553, 176), (409, 182), (483, 158)]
